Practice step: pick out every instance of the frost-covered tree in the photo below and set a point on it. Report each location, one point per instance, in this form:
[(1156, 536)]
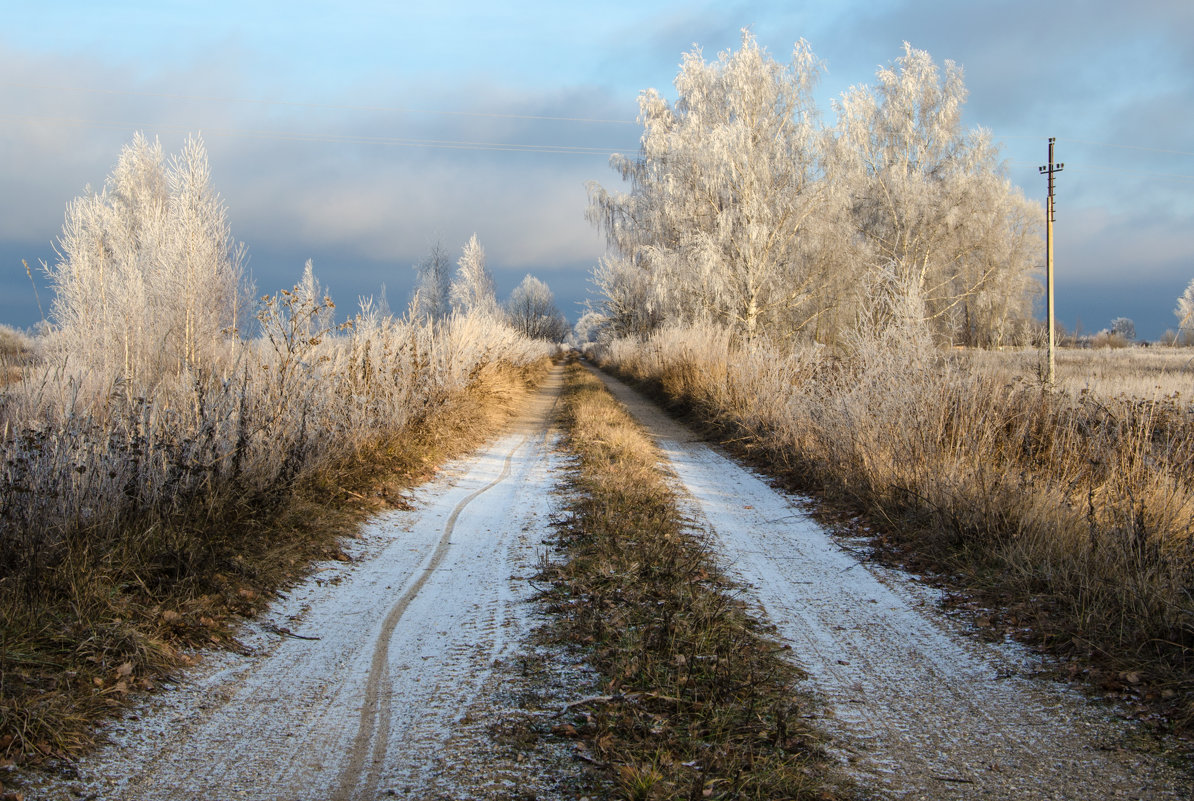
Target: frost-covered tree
[(532, 311), (1124, 327), (931, 198), (628, 297), (726, 194), (472, 289), (589, 327), (744, 209), (1185, 313), (433, 285), (148, 278)]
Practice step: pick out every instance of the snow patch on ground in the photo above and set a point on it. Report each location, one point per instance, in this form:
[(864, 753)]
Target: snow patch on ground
[(291, 718)]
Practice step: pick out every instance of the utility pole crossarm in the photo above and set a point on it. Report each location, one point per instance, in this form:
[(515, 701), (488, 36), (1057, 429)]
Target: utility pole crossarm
[(1050, 169)]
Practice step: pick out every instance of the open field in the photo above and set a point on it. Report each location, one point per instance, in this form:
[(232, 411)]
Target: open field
[(1145, 373)]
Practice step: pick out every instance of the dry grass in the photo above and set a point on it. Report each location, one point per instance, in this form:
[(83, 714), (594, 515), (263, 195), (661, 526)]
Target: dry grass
[(1151, 373), (696, 702), (135, 527), (17, 352), (1072, 515)]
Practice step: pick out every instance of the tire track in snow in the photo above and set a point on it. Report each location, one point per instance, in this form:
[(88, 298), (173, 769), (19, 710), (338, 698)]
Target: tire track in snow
[(916, 710), (378, 692), (283, 721)]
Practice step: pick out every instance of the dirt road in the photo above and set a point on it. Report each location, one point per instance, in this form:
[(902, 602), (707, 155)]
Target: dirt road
[(371, 679), (915, 709), (382, 660)]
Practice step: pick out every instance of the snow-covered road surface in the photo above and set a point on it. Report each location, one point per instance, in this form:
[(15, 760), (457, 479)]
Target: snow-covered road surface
[(915, 709), (407, 636)]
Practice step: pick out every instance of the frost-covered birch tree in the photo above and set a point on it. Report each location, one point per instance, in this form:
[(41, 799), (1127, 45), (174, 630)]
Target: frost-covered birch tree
[(433, 285), (1185, 313), (205, 264), (726, 194), (531, 310), (472, 289), (628, 298), (148, 280), (932, 200)]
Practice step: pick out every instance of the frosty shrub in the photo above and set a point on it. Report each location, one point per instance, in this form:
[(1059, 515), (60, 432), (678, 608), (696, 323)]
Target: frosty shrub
[(1124, 328), (14, 344), (471, 291), (433, 285)]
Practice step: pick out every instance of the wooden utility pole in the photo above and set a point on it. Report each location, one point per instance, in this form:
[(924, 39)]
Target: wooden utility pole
[(1049, 169)]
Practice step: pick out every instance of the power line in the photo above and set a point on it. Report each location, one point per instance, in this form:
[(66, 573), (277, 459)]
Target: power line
[(1098, 144), (1080, 167), (290, 136), (479, 114), (1170, 175), (1129, 147), (299, 104)]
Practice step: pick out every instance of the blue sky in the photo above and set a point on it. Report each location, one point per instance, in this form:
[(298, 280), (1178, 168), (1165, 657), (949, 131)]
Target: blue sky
[(311, 112)]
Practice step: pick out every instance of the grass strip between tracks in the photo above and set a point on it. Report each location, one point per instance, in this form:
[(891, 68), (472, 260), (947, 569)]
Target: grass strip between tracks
[(696, 700)]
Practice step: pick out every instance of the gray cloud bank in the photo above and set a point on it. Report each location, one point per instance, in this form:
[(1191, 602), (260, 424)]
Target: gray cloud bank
[(333, 183)]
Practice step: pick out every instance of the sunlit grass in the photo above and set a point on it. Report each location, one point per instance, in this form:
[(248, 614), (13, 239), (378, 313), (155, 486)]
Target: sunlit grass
[(695, 702)]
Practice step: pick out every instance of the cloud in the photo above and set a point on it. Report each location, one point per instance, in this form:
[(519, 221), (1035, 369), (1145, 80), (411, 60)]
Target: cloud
[(1086, 72), (318, 179)]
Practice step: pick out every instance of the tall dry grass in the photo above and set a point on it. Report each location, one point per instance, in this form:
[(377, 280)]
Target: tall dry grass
[(1074, 510), (17, 351), (133, 518)]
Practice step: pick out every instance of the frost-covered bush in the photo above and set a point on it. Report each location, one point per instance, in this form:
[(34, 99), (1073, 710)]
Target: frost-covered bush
[(14, 343), (532, 310), (1185, 314), (290, 402), (1123, 327)]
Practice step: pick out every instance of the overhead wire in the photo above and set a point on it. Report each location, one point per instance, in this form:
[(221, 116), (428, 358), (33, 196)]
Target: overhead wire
[(292, 136), (336, 106), (446, 144), (1082, 167)]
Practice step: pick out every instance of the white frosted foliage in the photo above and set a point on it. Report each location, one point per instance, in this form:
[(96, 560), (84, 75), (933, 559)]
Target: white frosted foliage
[(745, 210), (532, 311), (1185, 310), (148, 281), (472, 288)]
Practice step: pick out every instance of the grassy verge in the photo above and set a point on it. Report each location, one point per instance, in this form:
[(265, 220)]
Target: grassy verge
[(1059, 519), (115, 611), (695, 701)]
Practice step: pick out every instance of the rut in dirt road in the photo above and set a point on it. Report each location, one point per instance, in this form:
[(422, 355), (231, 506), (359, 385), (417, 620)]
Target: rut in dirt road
[(916, 710), (395, 648)]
